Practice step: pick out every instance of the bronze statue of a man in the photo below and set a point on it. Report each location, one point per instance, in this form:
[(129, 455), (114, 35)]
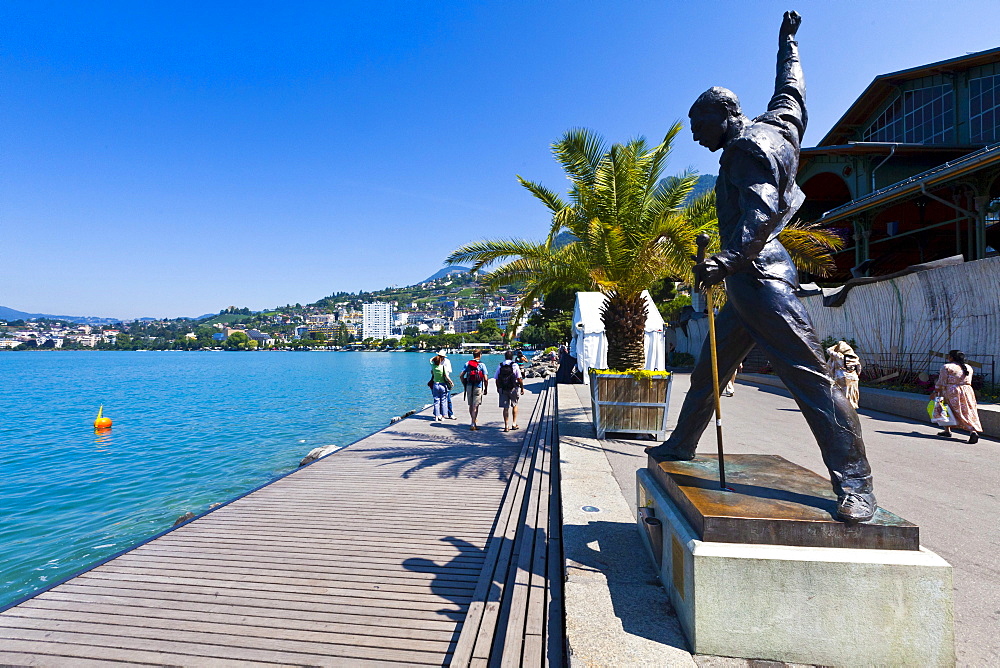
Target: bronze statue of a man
[(756, 197)]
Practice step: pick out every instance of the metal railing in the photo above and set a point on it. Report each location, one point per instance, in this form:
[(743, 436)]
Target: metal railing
[(888, 368), (921, 368)]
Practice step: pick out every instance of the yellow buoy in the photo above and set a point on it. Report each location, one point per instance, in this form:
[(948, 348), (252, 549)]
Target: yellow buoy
[(102, 422)]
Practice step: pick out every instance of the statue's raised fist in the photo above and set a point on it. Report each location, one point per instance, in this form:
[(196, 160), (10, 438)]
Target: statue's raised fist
[(790, 23)]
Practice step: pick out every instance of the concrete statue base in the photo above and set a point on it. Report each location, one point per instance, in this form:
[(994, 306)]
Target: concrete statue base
[(835, 606)]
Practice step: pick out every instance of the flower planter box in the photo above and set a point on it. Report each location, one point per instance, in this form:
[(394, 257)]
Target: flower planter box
[(623, 403)]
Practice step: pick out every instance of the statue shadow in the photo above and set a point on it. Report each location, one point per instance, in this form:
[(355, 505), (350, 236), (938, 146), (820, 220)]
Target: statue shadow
[(638, 598), (453, 580)]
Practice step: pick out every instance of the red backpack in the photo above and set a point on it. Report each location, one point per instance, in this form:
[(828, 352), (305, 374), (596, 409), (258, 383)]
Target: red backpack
[(474, 374)]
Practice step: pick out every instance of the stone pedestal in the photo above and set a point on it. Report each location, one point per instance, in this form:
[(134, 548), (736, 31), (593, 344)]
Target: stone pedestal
[(742, 588)]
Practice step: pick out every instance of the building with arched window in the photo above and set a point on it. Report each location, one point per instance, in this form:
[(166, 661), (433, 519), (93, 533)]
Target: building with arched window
[(911, 171)]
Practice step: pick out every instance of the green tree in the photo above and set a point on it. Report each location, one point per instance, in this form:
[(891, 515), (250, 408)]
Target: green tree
[(237, 341), (489, 329), (343, 336)]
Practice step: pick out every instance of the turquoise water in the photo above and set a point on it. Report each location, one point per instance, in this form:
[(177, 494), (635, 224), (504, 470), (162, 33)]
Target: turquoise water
[(190, 429)]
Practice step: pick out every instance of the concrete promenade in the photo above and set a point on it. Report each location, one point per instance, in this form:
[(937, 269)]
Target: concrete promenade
[(949, 488), (369, 556)]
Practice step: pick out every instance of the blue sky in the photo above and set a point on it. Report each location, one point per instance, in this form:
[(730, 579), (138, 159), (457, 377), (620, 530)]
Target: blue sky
[(168, 159)]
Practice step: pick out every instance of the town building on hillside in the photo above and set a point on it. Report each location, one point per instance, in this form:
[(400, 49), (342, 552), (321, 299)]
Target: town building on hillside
[(909, 174), (377, 320), (502, 314), (262, 339), (467, 323)]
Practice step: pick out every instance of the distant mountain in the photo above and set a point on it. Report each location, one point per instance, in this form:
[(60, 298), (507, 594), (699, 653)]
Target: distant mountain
[(705, 183), (13, 314), (446, 271), (563, 238)]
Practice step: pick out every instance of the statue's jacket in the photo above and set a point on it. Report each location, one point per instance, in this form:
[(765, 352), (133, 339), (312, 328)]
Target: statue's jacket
[(756, 192)]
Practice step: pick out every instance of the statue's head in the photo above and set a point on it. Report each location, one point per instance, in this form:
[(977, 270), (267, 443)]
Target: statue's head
[(715, 117)]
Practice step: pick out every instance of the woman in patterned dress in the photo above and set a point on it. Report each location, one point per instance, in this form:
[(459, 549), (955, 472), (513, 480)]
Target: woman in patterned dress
[(846, 365), (954, 383)]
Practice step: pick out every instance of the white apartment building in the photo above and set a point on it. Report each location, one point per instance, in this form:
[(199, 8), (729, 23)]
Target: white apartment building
[(377, 321), (87, 340)]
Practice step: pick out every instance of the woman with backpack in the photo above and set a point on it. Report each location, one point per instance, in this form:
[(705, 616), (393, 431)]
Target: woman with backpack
[(954, 383), (440, 385), (476, 381)]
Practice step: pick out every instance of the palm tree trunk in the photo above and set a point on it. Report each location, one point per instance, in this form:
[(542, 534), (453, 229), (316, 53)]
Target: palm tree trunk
[(624, 318)]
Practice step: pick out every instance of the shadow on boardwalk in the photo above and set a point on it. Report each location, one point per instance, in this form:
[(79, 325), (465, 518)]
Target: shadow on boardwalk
[(443, 583), (455, 452)]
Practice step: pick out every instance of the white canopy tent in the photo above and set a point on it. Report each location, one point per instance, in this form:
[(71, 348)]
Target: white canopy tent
[(590, 346)]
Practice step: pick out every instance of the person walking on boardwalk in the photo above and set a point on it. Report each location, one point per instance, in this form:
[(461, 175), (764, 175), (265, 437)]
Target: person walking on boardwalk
[(447, 370), (510, 387), (440, 384), (756, 197), (954, 383), (846, 365), (476, 380)]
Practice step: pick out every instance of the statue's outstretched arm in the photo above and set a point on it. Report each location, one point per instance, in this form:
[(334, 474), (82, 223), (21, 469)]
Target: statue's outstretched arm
[(789, 100)]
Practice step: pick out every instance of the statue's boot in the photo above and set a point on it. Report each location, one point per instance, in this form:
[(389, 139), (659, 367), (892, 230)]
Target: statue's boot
[(852, 507), (667, 452)]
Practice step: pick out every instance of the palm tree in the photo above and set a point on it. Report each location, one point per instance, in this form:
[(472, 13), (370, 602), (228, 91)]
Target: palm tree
[(629, 227)]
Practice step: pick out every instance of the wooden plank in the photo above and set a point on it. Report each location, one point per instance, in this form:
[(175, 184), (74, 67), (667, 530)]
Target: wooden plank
[(53, 653), (154, 582), (491, 640), (251, 618), (516, 598), (380, 623), (555, 633), (535, 604), (298, 603), (403, 535), (331, 548), (212, 646), (258, 577), (494, 617), (87, 621), (390, 569), (477, 630), (344, 575), (325, 552)]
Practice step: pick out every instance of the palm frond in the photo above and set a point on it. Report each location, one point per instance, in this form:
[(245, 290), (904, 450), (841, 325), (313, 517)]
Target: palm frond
[(482, 253), (549, 198), (810, 247)]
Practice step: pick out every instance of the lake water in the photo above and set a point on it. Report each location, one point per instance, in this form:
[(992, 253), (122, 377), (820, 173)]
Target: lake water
[(190, 429)]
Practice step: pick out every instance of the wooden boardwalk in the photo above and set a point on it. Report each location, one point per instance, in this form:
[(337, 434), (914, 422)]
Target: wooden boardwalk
[(370, 556)]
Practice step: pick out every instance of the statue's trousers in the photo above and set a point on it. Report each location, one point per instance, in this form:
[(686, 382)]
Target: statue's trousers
[(766, 312)]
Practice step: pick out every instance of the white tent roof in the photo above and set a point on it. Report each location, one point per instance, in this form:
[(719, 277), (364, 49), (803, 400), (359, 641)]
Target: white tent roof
[(587, 313)]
